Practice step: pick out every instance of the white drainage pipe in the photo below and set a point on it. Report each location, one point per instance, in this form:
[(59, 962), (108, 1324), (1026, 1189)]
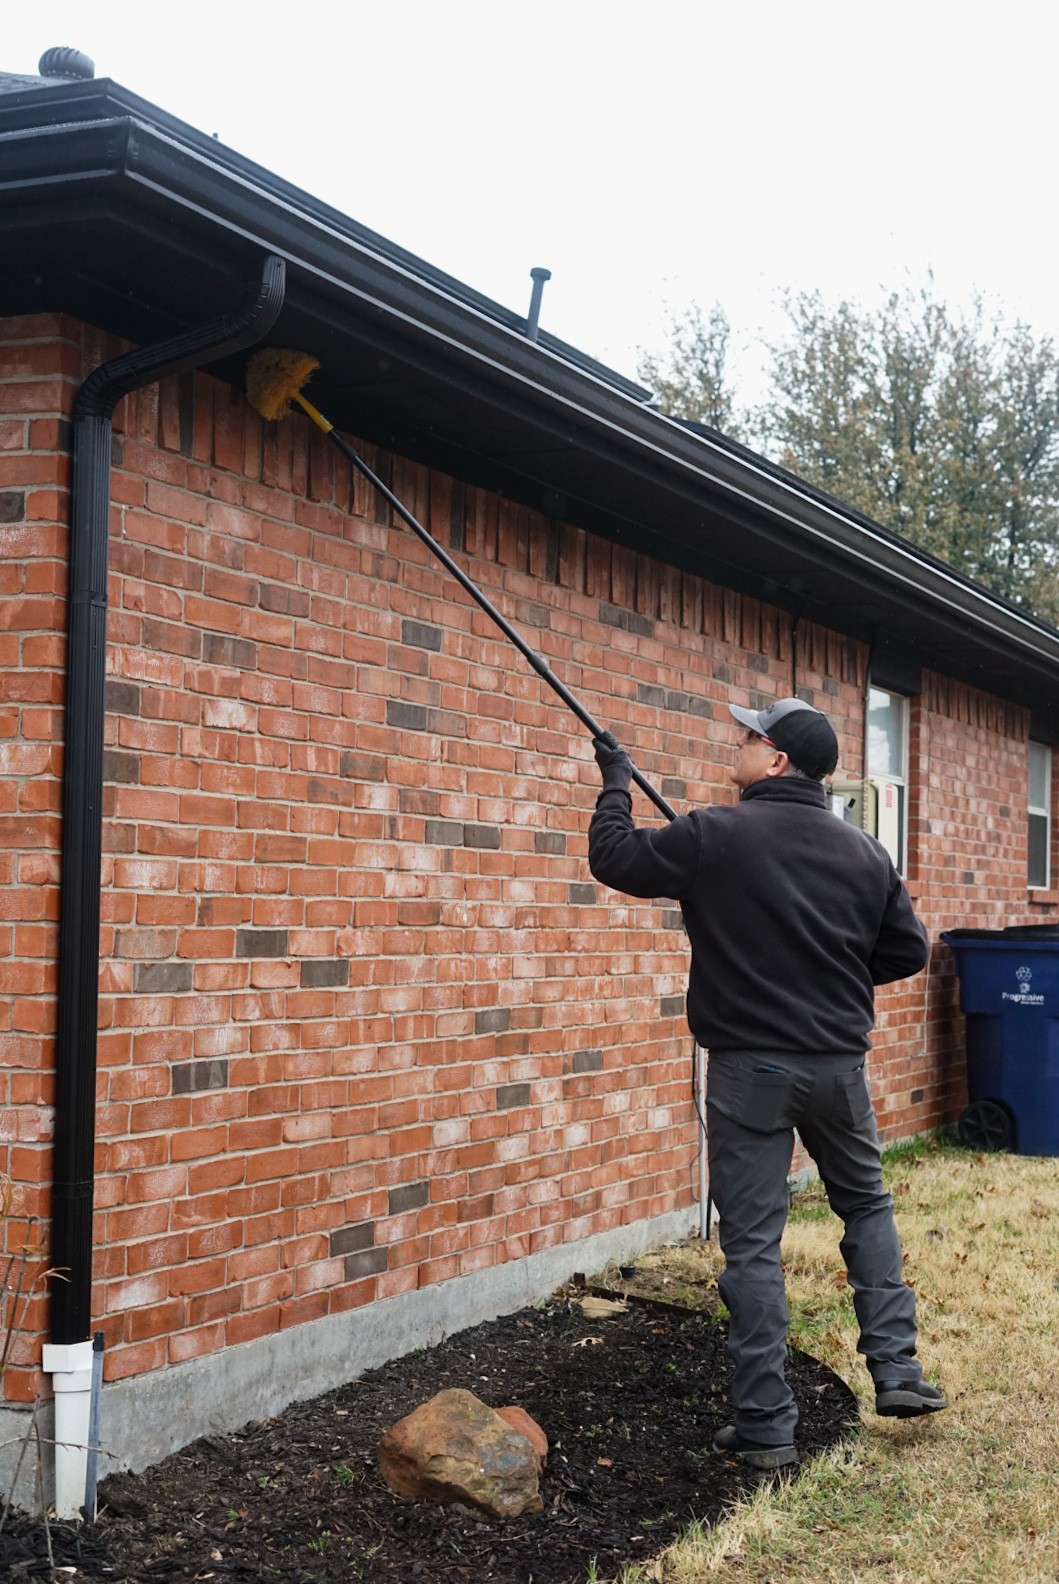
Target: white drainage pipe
[(70, 1367)]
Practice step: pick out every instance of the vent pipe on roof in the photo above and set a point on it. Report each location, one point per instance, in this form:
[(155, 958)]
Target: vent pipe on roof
[(64, 62), (538, 276)]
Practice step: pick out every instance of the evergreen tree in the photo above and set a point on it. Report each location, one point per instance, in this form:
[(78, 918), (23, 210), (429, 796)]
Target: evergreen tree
[(943, 428), (690, 381)]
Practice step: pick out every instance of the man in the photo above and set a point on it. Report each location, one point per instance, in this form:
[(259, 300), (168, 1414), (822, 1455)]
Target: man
[(793, 917)]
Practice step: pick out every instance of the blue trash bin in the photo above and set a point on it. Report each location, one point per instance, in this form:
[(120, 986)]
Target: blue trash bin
[(1009, 990)]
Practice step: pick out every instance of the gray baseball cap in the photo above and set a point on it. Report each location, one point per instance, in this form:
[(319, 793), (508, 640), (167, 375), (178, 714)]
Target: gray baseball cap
[(804, 734)]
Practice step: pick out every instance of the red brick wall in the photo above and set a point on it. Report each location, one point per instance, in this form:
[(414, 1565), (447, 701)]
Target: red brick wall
[(365, 1022), (968, 795)]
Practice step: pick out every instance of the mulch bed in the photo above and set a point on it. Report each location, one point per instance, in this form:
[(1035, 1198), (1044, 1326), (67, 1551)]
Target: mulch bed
[(299, 1498)]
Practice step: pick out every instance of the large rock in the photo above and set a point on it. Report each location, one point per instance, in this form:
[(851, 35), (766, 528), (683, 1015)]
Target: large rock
[(520, 1420), (456, 1449)]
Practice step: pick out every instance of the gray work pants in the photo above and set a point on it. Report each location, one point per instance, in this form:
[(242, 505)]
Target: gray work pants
[(754, 1101)]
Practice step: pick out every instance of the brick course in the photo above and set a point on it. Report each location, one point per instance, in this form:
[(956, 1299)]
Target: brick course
[(366, 1022)]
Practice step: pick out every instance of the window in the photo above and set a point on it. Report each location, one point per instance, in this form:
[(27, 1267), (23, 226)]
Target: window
[(1040, 814), (888, 770)]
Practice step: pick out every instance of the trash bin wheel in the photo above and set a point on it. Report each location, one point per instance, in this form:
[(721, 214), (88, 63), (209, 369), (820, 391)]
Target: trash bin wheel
[(985, 1125)]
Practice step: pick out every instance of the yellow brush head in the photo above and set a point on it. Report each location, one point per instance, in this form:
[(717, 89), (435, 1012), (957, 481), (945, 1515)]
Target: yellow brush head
[(274, 376)]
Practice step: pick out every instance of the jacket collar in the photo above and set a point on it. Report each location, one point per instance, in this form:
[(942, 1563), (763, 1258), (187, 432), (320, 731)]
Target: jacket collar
[(785, 789)]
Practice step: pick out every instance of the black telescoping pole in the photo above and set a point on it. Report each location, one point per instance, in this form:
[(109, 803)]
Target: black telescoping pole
[(82, 828), (543, 670)]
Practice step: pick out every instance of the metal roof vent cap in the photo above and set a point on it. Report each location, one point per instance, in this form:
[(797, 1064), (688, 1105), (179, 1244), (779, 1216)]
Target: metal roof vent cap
[(65, 62)]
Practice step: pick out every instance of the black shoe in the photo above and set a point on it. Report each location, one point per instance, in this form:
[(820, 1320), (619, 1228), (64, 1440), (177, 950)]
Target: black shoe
[(729, 1442), (907, 1399)]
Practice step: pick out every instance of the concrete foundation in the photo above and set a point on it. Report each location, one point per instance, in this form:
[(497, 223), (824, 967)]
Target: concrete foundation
[(148, 1416)]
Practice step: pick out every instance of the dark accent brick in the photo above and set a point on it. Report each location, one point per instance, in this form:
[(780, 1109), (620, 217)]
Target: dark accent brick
[(581, 893), (352, 1239), (12, 505), (371, 1263), (968, 877), (673, 786), (457, 514), (648, 693), (549, 842), (511, 1095), (186, 410), (171, 638), (627, 620), (760, 701), (673, 918), (122, 767), (409, 1196), (335, 792), (492, 1020), (551, 551), (261, 943), (722, 673), (755, 662), (481, 836), (916, 1096), (588, 1061), (408, 717), (224, 650), (321, 973), (362, 766), (190, 1077), (123, 698), (529, 613), (831, 685), (443, 833), (689, 704), (162, 978), (420, 636), (283, 600), (672, 1006), (806, 695), (1004, 811)]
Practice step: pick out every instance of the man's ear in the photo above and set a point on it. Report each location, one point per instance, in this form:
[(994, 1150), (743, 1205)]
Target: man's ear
[(779, 764)]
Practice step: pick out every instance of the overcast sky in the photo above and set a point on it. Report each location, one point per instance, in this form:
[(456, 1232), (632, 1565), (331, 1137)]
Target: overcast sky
[(644, 153)]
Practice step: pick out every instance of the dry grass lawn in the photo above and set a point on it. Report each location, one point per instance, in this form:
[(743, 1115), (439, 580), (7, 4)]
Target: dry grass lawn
[(967, 1495)]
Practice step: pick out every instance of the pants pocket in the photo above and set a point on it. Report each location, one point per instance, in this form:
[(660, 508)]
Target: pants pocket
[(852, 1098), (760, 1100)]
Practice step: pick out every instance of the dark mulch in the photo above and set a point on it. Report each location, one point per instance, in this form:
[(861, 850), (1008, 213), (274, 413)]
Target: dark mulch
[(299, 1498)]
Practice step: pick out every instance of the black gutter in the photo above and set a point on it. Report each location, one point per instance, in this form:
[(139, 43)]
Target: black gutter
[(528, 379), (740, 520), (78, 989), (77, 104)]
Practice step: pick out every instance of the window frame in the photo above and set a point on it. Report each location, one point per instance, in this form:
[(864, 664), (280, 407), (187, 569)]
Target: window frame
[(901, 780), (1045, 812)]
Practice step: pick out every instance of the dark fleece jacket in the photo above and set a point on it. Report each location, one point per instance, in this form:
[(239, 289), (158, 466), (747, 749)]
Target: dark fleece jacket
[(793, 915)]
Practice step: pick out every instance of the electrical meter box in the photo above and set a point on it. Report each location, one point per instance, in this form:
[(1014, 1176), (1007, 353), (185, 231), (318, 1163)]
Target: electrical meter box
[(876, 806)]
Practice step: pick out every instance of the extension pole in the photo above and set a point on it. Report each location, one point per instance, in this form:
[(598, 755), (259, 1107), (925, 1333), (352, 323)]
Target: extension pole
[(541, 667)]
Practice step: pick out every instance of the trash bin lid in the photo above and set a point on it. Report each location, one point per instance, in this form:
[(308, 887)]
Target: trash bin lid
[(1011, 932)]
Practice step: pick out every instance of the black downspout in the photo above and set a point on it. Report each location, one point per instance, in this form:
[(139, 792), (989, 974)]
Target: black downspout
[(82, 838)]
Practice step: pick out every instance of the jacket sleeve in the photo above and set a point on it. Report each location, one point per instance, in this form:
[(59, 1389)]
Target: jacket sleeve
[(901, 946), (642, 863)]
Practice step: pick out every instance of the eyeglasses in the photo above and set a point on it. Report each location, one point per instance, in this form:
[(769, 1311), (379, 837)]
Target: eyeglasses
[(753, 736)]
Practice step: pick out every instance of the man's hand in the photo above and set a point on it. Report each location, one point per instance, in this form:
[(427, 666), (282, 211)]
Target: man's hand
[(614, 763)]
